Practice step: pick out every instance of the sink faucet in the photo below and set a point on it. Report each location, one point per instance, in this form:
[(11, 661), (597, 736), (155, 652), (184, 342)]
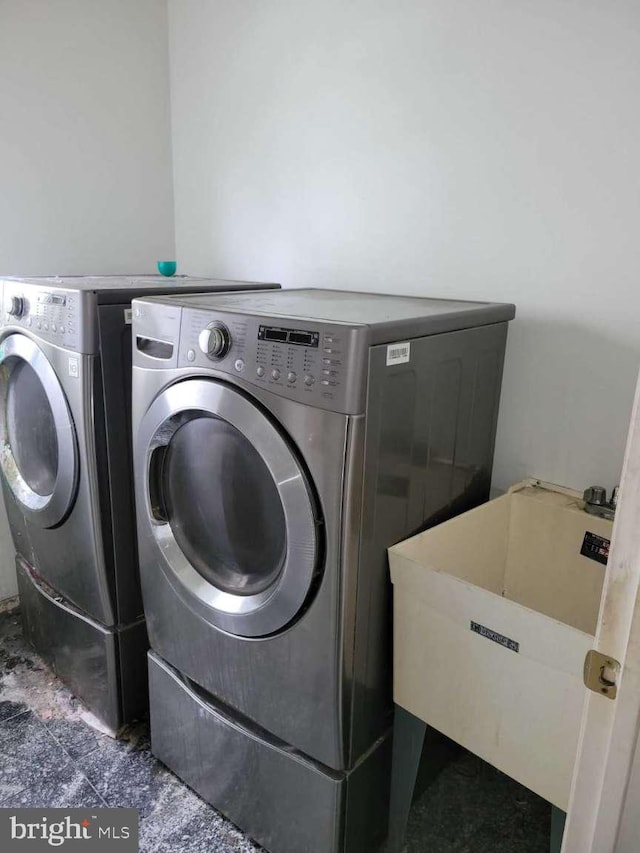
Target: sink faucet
[(596, 503)]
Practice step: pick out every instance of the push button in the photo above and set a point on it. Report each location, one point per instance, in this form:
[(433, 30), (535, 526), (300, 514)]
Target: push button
[(308, 379), (275, 373), (260, 371), (291, 376)]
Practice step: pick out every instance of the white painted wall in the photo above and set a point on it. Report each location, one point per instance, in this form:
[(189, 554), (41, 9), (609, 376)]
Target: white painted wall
[(85, 148), (470, 148)]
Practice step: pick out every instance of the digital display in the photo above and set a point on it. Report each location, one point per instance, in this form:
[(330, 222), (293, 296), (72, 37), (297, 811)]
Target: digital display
[(298, 337), (53, 299), (275, 335)]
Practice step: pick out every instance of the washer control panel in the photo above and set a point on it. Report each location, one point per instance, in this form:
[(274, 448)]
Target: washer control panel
[(318, 364), (52, 315)]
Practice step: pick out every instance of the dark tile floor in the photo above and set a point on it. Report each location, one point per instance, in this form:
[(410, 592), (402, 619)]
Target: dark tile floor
[(52, 753)]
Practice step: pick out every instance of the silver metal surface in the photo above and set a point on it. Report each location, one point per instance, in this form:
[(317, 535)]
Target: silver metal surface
[(104, 667), (259, 676), (596, 503), (281, 798), (391, 447), (15, 306), (430, 433), (42, 510), (214, 341), (244, 615), (69, 556), (596, 495), (54, 313), (142, 282), (386, 315), (87, 555), (330, 375), (63, 310)]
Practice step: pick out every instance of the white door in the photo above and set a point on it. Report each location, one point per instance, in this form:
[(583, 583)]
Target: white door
[(604, 807)]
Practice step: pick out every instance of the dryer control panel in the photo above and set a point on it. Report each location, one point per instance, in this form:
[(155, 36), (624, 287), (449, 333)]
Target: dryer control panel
[(315, 363), (51, 315)]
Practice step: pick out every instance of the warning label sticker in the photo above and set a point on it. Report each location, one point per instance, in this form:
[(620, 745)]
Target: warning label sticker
[(74, 367), (477, 628), (399, 353), (595, 547)]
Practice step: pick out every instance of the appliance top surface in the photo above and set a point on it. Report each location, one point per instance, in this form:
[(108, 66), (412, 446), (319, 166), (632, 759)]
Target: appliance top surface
[(375, 310), (108, 283)]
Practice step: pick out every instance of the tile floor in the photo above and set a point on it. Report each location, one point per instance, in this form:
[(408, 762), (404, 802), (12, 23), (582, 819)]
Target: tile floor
[(52, 754)]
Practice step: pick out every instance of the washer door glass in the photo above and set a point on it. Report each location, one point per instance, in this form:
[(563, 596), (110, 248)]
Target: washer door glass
[(223, 506), (31, 429), (38, 449), (230, 508)]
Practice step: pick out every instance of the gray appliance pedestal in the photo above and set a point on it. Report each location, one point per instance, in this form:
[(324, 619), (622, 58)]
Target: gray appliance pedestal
[(104, 667), (282, 798)]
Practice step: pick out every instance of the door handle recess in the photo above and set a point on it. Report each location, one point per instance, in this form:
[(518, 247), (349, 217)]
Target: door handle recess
[(156, 494)]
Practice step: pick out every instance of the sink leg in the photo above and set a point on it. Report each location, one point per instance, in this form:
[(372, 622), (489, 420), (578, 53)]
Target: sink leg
[(558, 818), (408, 738)]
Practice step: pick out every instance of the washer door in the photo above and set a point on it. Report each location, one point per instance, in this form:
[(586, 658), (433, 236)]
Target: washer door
[(229, 506), (38, 447)]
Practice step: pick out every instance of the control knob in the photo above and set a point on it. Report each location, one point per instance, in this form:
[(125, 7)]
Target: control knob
[(15, 306), (215, 341)]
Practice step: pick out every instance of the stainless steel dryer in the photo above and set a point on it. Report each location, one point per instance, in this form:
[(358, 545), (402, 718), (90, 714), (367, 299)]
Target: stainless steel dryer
[(281, 443), (65, 457)]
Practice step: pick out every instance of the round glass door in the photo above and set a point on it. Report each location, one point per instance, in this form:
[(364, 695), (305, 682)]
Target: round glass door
[(214, 498), (230, 507), (37, 440)]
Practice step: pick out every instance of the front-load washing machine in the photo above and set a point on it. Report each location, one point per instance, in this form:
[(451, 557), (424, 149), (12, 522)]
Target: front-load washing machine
[(65, 458), (281, 443)]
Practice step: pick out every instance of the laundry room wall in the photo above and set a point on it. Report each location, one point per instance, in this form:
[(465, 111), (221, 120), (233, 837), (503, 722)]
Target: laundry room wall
[(85, 148), (470, 149)]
